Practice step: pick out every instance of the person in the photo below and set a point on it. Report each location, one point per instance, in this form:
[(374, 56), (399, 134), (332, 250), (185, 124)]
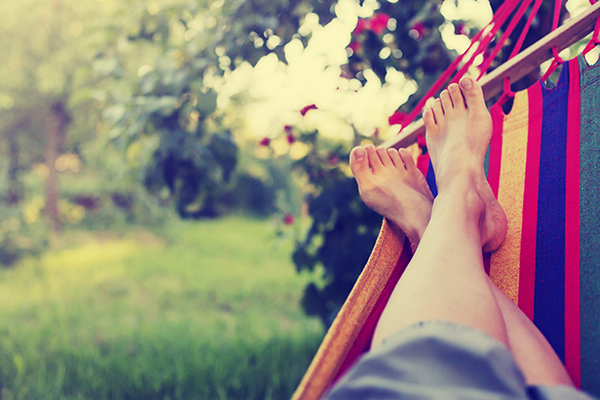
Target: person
[(447, 331)]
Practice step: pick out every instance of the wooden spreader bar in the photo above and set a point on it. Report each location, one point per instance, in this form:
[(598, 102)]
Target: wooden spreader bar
[(522, 64)]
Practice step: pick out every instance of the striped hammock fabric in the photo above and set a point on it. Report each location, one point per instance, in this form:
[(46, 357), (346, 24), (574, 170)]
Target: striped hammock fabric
[(543, 164)]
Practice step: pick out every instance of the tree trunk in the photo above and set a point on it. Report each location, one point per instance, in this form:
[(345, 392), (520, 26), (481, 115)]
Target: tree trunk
[(15, 190), (56, 136)]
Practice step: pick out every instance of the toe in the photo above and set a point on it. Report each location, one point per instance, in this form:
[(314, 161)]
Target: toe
[(456, 96), (359, 163), (384, 157), (374, 160), (407, 159), (472, 93), (395, 157), (438, 113), (429, 120), (446, 102)]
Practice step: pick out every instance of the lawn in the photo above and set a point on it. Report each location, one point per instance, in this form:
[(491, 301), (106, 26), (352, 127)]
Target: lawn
[(211, 314)]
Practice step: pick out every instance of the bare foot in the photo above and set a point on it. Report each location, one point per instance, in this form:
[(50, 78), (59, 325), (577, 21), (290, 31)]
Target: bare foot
[(391, 185), (459, 130)]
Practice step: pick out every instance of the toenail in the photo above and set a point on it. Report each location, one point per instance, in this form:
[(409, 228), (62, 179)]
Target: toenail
[(359, 153), (466, 83)]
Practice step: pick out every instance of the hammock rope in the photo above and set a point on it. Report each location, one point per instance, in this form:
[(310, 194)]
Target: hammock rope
[(520, 65), (557, 60), (595, 37), (482, 39)]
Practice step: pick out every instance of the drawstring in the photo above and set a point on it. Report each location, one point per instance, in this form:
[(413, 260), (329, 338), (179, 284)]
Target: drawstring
[(595, 37), (508, 93), (555, 63), (557, 60)]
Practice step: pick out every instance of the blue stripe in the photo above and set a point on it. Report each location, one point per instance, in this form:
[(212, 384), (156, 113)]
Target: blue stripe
[(549, 295), (430, 178), (486, 162)]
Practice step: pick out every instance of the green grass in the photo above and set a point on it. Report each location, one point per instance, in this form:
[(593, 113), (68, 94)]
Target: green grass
[(213, 315)]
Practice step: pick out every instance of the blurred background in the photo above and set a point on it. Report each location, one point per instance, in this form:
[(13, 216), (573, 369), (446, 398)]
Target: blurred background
[(178, 219)]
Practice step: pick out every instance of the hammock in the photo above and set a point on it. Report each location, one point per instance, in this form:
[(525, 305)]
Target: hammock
[(543, 165)]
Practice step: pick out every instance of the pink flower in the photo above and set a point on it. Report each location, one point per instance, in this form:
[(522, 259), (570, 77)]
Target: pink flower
[(379, 23), (307, 108), (361, 26), (460, 28), (291, 138), (354, 45), (288, 219), (418, 30), (397, 118), (265, 141)]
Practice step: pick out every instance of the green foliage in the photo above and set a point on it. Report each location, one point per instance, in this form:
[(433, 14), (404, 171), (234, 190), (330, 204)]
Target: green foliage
[(48, 49), (341, 239), (174, 100), (417, 48), (263, 187), (343, 229), (251, 194), (19, 239), (211, 315)]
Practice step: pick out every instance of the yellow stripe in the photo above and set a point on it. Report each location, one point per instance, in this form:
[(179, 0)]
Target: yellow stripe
[(504, 266)]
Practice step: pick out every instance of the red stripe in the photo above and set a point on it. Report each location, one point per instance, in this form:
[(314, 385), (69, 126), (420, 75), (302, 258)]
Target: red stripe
[(423, 163), (530, 200), (572, 334), (496, 148)]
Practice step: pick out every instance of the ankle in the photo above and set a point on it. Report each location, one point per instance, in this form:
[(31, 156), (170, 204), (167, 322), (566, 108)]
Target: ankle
[(459, 183), (460, 196), (413, 226)]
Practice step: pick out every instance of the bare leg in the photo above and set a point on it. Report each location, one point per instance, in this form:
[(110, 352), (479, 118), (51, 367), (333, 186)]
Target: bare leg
[(445, 279), (534, 355), (530, 348)]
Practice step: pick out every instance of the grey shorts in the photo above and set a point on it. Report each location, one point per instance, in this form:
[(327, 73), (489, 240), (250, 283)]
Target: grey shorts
[(442, 360)]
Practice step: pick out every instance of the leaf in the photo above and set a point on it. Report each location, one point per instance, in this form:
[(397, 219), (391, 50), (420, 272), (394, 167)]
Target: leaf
[(207, 102), (164, 104), (113, 114), (19, 365), (80, 97), (105, 66)]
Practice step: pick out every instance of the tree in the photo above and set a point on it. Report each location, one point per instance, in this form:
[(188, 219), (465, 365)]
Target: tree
[(56, 61), (173, 106), (48, 84)]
